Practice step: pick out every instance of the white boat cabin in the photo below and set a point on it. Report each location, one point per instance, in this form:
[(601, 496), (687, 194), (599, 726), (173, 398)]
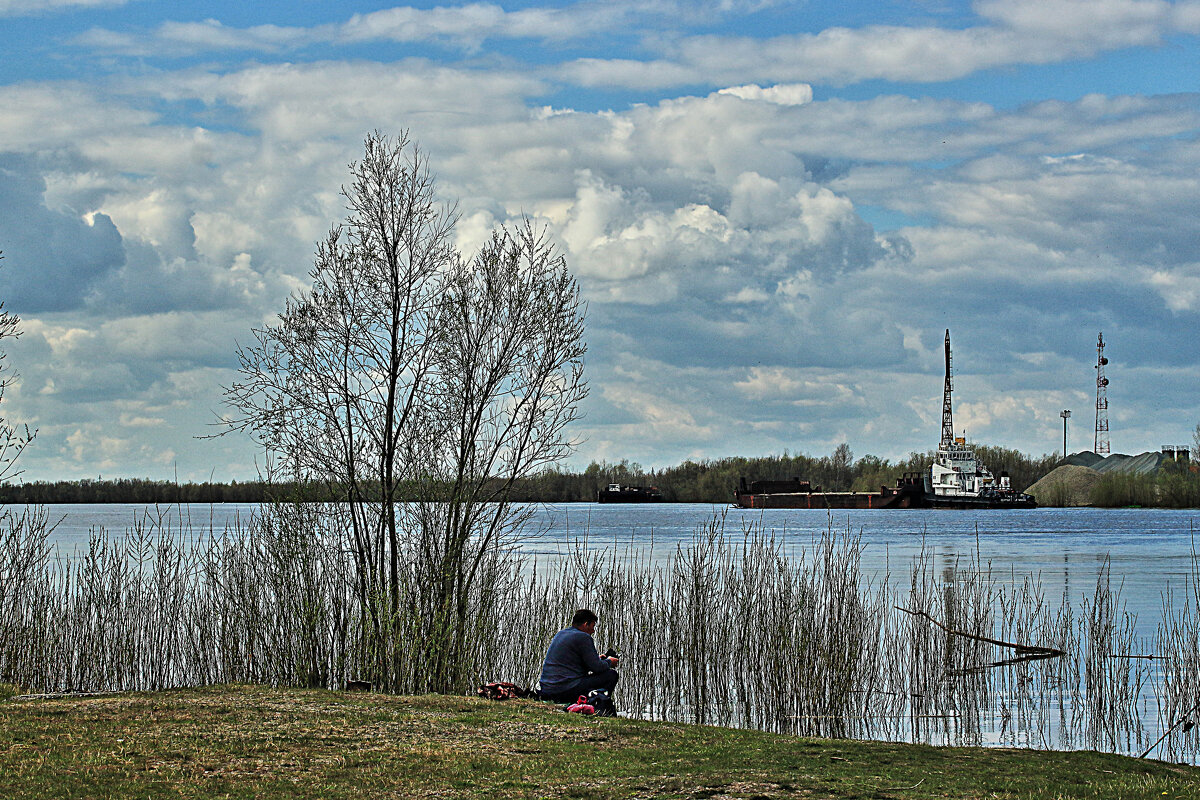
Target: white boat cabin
[(958, 473)]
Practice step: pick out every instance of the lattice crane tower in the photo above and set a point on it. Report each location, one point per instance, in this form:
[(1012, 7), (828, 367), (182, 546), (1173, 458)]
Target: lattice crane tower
[(947, 413), (1101, 445)]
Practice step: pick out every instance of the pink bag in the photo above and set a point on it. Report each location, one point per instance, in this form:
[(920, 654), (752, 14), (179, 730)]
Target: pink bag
[(580, 706)]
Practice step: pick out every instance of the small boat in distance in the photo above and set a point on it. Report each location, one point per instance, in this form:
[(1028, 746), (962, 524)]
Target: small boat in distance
[(957, 479), (616, 493)]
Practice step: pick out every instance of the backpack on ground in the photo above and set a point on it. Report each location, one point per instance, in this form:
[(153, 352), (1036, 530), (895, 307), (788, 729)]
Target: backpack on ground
[(602, 703)]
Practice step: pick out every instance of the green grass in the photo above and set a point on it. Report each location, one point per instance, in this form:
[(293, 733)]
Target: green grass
[(256, 742)]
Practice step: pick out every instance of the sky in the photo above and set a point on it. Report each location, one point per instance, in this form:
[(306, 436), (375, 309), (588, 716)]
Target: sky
[(774, 210)]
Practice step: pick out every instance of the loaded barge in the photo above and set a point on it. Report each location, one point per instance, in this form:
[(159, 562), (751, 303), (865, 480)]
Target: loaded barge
[(957, 479)]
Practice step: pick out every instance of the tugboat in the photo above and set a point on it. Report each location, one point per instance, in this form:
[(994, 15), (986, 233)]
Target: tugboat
[(957, 479)]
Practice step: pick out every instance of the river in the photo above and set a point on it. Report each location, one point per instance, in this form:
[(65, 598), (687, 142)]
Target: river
[(1065, 548)]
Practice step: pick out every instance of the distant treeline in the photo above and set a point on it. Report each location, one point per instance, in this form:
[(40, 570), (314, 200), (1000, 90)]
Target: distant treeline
[(1176, 484), (707, 481), (135, 490)]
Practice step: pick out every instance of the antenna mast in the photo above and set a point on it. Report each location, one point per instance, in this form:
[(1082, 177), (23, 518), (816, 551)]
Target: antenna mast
[(947, 413), (1101, 445)]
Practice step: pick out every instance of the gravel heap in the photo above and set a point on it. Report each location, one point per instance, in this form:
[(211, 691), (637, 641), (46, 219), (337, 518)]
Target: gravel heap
[(1068, 485), (1143, 464)]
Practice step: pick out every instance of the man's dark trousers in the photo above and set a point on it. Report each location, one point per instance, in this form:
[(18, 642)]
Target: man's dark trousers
[(606, 680)]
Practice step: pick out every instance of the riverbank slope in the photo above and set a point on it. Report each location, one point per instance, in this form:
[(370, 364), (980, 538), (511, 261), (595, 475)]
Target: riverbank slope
[(251, 741)]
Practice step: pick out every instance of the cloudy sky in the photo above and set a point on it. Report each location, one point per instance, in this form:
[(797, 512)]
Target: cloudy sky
[(774, 208)]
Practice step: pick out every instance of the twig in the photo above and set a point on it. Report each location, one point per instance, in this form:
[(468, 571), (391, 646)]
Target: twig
[(1022, 659), (901, 788), (1132, 655)]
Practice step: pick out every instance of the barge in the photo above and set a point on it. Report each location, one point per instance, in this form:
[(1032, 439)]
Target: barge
[(795, 493), (616, 493)]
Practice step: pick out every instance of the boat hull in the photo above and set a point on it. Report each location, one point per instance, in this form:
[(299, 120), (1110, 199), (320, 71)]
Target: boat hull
[(629, 494), (831, 500), (1014, 501)]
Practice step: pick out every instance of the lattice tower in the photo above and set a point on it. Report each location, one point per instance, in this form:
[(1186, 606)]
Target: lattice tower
[(947, 412), (1101, 445)]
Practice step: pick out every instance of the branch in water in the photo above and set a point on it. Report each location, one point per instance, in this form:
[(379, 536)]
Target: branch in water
[(1029, 651)]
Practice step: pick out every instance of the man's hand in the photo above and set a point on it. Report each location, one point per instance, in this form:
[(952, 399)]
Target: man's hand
[(612, 661)]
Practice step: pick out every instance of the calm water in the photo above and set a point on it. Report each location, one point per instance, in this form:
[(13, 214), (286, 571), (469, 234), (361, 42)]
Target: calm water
[(1066, 548), (1147, 549)]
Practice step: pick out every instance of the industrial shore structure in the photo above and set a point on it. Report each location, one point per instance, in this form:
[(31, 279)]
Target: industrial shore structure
[(956, 479)]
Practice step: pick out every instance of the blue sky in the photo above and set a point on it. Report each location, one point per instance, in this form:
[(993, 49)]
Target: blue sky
[(774, 209)]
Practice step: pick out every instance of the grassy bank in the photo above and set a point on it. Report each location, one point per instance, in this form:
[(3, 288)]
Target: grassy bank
[(247, 741)]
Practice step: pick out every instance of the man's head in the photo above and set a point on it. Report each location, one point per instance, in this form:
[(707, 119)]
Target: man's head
[(585, 619)]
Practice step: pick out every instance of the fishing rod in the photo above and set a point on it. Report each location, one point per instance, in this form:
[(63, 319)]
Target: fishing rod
[(1185, 721)]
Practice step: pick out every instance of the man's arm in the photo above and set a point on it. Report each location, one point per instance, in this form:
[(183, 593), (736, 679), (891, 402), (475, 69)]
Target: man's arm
[(589, 657)]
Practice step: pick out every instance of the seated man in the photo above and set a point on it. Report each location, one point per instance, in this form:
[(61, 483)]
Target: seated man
[(572, 666)]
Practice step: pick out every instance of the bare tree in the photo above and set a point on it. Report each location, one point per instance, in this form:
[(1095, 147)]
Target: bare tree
[(509, 379), (13, 440), (408, 373), (840, 464)]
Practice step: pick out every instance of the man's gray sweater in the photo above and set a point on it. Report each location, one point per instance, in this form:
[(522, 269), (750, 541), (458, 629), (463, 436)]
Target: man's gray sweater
[(571, 656)]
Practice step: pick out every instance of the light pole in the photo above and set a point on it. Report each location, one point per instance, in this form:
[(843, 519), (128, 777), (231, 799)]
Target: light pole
[(1066, 415)]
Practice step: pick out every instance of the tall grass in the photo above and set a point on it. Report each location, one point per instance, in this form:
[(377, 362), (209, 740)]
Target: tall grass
[(1178, 636), (1172, 486), (736, 627)]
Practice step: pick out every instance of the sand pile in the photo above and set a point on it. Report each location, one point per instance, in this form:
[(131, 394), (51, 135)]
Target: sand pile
[(1084, 458), (1068, 485), (1143, 464)]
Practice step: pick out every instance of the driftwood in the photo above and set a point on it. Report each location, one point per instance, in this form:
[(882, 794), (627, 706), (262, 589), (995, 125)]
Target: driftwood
[(1025, 652), (62, 695)]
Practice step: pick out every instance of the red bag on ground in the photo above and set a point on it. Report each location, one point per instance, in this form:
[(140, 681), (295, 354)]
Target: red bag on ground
[(580, 706)]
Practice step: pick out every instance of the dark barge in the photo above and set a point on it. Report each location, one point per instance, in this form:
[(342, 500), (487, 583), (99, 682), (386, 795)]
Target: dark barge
[(616, 493), (909, 492)]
